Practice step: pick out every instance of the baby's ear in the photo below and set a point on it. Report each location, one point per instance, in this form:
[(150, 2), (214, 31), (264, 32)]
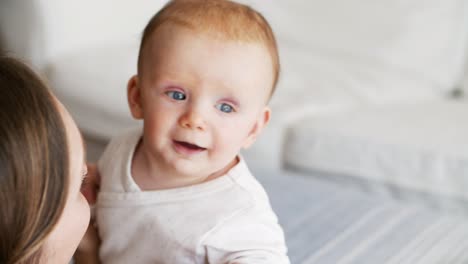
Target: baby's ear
[(134, 97), (262, 120)]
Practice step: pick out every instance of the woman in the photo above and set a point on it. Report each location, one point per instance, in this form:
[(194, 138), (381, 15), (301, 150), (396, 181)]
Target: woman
[(43, 215)]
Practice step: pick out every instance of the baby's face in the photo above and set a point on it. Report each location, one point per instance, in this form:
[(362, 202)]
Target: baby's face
[(202, 99)]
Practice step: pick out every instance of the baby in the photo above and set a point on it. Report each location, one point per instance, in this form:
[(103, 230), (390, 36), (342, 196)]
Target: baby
[(178, 191)]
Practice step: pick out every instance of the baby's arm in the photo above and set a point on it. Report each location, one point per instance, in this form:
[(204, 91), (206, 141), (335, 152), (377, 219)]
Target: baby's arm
[(252, 237)]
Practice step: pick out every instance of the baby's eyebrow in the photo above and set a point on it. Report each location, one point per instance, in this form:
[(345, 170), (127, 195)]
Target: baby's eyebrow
[(232, 101)]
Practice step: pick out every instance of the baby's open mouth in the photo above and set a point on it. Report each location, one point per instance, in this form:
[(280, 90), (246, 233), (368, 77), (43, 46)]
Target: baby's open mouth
[(189, 145)]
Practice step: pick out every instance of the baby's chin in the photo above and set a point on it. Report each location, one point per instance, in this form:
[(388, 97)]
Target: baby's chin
[(196, 169)]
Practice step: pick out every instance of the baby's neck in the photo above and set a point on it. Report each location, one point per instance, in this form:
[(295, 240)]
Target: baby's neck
[(149, 176)]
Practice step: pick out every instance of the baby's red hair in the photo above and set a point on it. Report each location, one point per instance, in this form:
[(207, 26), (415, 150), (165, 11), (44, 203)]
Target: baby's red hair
[(222, 19)]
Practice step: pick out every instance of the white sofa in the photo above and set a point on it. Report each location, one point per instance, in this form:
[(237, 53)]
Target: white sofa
[(372, 91), (364, 93)]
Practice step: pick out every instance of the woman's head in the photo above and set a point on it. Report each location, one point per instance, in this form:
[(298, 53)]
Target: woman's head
[(42, 214)]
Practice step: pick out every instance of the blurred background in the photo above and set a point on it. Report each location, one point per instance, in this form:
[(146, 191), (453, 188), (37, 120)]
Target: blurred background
[(372, 94), (373, 91)]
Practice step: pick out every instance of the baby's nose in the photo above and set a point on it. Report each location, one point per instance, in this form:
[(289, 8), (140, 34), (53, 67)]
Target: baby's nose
[(193, 120)]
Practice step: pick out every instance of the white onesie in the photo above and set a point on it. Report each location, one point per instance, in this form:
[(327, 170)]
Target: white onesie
[(226, 220)]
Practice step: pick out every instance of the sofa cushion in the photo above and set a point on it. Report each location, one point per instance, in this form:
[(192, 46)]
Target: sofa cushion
[(419, 146), (381, 51), (338, 55)]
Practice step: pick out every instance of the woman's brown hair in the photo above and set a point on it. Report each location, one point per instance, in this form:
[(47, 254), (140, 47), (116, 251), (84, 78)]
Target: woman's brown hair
[(34, 164)]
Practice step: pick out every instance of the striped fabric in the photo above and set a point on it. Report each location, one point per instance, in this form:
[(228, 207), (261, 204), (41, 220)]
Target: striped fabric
[(328, 223)]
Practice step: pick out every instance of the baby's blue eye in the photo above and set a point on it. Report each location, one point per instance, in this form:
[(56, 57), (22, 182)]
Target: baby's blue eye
[(176, 95), (225, 108)]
